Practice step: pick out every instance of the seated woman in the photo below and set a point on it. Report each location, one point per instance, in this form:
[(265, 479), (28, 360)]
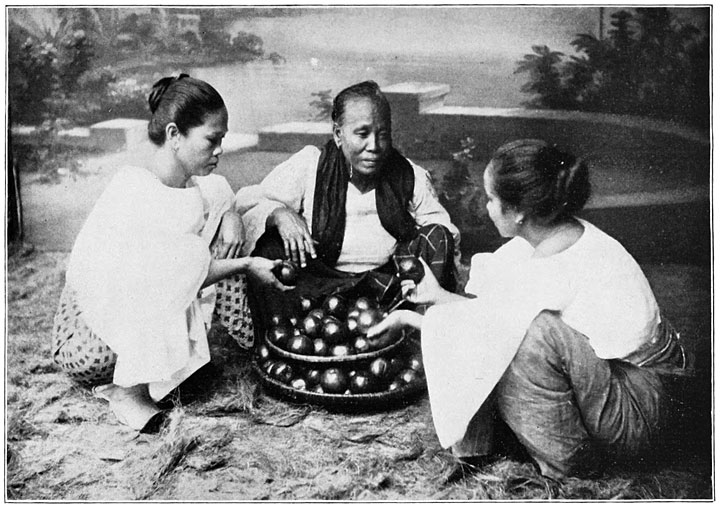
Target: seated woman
[(130, 322), (351, 207), (563, 339)]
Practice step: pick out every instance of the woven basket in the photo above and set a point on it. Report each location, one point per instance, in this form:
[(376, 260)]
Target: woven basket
[(337, 360), (379, 401)]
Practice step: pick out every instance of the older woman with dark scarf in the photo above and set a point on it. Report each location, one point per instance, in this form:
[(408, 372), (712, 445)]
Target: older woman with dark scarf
[(349, 212)]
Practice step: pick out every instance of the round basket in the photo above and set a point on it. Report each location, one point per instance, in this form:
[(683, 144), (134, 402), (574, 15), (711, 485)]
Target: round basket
[(335, 359), (385, 400)]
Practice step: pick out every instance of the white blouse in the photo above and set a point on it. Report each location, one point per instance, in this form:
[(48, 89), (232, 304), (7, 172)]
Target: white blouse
[(137, 266), (595, 284), (366, 244)]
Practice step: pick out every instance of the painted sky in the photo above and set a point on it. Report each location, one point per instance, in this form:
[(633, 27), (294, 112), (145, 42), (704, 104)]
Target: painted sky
[(459, 31)]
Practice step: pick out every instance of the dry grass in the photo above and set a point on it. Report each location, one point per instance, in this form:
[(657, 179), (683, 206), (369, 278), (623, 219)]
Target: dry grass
[(226, 440)]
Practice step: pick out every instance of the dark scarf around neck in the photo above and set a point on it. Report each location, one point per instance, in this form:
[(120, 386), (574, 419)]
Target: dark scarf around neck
[(393, 192)]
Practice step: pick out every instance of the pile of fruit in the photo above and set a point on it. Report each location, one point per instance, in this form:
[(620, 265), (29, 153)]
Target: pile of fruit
[(325, 350)]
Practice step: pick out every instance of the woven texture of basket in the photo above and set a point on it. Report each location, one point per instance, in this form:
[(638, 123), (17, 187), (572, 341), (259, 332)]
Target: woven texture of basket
[(401, 394)]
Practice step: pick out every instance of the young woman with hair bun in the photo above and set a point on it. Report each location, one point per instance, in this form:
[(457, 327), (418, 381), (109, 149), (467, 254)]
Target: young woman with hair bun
[(561, 337), (132, 317)]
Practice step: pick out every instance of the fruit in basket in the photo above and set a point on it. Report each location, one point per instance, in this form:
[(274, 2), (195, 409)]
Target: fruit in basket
[(334, 380), (320, 347), (332, 330), (354, 313), (299, 384), (362, 345), (306, 304), (380, 368), (312, 377), (279, 335), (317, 312), (282, 372), (341, 350), (415, 363), (410, 268), (336, 306), (361, 383), (300, 344), (408, 376), (311, 325), (318, 389), (394, 385), (279, 319), (267, 366), (263, 353), (351, 327), (363, 303), (367, 319), (286, 272)]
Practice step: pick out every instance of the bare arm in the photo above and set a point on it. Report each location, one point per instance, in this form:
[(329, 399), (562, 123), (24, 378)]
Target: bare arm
[(258, 267)]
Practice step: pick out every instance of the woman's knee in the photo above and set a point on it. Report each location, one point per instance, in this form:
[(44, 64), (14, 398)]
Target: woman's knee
[(539, 346), (435, 233), (538, 370)]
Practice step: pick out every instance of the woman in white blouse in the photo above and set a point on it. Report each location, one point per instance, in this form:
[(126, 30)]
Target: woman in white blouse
[(353, 208), (561, 336), (130, 322)]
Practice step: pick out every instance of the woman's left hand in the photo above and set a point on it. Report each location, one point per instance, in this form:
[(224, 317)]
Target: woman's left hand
[(228, 241)]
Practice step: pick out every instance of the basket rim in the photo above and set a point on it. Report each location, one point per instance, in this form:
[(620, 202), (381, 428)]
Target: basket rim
[(364, 400), (335, 359)]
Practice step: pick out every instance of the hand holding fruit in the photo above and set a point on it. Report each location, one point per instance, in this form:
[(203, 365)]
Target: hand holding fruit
[(295, 235), (286, 272), (262, 269), (427, 291), (395, 322)]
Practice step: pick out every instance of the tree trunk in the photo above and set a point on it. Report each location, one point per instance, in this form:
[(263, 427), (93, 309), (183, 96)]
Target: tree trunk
[(13, 202)]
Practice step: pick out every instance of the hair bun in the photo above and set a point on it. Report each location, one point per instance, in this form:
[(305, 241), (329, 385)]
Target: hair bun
[(159, 89), (570, 176)]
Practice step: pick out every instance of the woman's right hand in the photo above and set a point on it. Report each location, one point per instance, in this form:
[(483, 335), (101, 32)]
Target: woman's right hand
[(295, 235), (395, 321), (261, 268), (427, 292)]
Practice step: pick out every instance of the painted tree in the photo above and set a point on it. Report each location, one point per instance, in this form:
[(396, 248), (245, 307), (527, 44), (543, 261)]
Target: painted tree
[(649, 64)]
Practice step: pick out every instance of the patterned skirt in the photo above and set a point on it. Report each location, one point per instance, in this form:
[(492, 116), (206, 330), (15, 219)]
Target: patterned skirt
[(233, 311), (89, 361), (76, 349)]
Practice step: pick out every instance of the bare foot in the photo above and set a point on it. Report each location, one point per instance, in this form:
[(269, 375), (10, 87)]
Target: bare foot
[(131, 405)]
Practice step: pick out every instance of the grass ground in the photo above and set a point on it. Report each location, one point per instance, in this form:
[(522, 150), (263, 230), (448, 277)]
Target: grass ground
[(227, 440)]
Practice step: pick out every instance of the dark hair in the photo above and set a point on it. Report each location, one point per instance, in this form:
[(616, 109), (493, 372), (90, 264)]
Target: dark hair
[(539, 179), (365, 90), (182, 100)]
